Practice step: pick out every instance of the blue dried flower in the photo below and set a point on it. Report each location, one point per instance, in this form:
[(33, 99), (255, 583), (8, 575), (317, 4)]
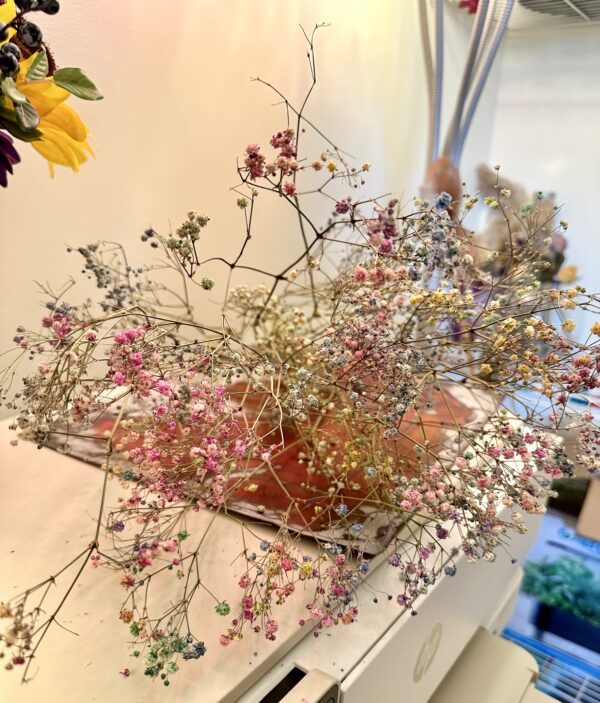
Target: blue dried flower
[(442, 201), (195, 651), (341, 509)]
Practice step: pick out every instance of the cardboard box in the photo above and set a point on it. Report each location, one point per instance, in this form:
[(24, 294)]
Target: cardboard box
[(588, 523)]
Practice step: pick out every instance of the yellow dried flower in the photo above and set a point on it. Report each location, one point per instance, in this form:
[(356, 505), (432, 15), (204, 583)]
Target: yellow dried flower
[(567, 274), (509, 324), (306, 569), (126, 615)]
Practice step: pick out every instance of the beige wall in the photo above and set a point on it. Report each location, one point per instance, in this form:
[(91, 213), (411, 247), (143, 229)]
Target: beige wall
[(179, 107)]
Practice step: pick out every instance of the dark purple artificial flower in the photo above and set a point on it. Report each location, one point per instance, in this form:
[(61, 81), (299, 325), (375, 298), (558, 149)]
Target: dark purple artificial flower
[(8, 157)]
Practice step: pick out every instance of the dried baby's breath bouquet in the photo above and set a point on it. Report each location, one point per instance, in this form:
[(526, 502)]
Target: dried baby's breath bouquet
[(387, 376)]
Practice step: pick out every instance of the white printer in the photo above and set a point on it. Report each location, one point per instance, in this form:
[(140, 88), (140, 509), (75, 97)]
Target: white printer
[(450, 652)]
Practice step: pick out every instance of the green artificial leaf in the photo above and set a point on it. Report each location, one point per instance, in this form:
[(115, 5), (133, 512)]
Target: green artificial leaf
[(39, 68), (76, 82), (9, 88), (27, 116), (8, 121)]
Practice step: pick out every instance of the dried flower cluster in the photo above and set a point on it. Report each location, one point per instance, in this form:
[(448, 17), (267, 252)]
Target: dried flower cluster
[(390, 393)]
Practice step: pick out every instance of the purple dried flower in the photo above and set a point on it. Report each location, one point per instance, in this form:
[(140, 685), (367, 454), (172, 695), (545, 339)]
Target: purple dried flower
[(558, 244)]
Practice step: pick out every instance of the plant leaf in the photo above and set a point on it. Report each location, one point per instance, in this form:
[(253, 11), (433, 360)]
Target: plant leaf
[(76, 82), (39, 68), (8, 121), (9, 88), (27, 116)]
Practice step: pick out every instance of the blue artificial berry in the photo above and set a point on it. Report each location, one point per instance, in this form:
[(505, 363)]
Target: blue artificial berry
[(9, 64), (26, 5), (50, 7), (30, 35), (10, 48)]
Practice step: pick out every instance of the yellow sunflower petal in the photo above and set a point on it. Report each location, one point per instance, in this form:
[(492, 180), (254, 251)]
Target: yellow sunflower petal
[(7, 12), (57, 147), (25, 65), (55, 152), (43, 95), (64, 117)]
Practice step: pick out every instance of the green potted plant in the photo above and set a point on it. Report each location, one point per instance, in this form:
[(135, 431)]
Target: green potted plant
[(569, 595)]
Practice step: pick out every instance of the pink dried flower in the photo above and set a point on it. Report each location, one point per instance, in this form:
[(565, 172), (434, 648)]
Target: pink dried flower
[(255, 161)]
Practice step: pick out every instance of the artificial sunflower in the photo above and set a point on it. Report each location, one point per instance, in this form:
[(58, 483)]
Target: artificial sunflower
[(64, 135), (33, 92)]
